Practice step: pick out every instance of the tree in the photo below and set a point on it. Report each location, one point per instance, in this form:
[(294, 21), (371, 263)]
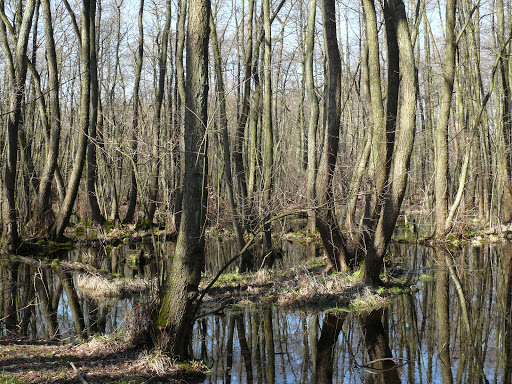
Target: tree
[(17, 71), (441, 135), (64, 214), (174, 318), (326, 222)]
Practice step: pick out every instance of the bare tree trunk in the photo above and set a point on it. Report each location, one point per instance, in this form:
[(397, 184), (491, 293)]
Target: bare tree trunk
[(441, 138), (505, 128), (62, 220), (313, 117), (17, 68), (92, 164), (268, 153), (135, 123), (157, 119), (401, 148), (221, 95), (330, 232), (174, 320), (43, 205)]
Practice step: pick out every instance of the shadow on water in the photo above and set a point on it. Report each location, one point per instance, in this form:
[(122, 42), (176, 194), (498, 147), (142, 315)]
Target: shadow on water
[(456, 328)]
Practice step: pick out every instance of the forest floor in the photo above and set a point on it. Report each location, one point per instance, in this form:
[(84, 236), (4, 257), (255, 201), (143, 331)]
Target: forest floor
[(101, 360)]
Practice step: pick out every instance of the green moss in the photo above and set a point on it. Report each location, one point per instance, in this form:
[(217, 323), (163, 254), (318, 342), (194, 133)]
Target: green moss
[(55, 264)]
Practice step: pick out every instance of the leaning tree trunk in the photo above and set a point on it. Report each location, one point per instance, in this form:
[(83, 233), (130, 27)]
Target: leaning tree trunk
[(62, 220), (175, 316)]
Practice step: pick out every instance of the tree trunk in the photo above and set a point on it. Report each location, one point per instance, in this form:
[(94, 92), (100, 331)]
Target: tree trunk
[(62, 220), (130, 213), (396, 183), (441, 138), (505, 128), (17, 69), (313, 117), (332, 238), (157, 119), (268, 153), (92, 164), (43, 205), (175, 317), (246, 261)]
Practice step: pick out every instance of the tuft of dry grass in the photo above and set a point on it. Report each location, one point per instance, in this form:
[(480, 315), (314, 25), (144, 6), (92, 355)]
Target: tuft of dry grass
[(157, 362), (97, 287), (368, 299)]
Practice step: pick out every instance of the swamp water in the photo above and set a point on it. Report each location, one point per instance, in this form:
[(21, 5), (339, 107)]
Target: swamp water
[(456, 328)]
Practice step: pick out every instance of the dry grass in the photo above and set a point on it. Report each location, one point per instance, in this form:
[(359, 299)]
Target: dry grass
[(157, 362), (98, 288), (301, 286)]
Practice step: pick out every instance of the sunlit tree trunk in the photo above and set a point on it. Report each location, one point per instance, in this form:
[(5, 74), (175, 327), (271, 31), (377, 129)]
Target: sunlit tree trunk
[(326, 222), (43, 204), (175, 315), (157, 119), (268, 152), (441, 133), (505, 128), (221, 95), (313, 117), (399, 148), (130, 213), (62, 220)]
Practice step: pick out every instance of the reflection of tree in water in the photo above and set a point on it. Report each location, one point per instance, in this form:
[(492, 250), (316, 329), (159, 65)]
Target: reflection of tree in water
[(325, 347), (382, 366)]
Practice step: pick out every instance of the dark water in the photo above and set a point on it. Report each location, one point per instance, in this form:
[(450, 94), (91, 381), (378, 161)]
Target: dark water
[(456, 328)]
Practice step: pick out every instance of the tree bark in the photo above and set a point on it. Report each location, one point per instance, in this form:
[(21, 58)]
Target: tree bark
[(17, 69), (130, 213), (175, 316), (62, 220), (313, 117), (92, 164), (326, 222), (157, 119), (43, 205), (441, 134)]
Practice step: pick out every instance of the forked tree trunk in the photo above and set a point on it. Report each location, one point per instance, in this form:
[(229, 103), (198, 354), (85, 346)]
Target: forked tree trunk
[(175, 316), (396, 183)]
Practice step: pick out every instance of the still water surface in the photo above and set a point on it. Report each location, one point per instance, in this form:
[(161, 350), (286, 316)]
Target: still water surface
[(456, 328)]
